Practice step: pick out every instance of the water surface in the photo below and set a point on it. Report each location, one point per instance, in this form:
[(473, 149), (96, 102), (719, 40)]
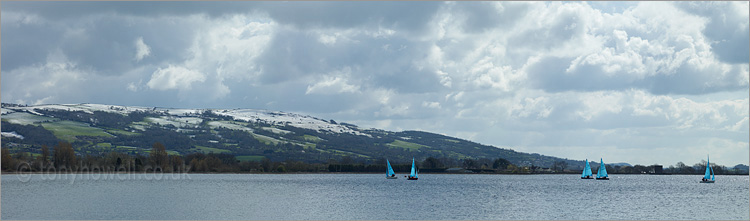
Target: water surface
[(371, 196)]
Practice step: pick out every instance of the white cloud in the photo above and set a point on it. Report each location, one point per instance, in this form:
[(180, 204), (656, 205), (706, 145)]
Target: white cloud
[(41, 83), (334, 83), (142, 50), (546, 77), (537, 107), (435, 105), (20, 18), (132, 86), (174, 77)]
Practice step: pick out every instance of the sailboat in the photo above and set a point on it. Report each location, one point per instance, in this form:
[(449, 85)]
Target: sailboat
[(389, 174), (602, 174), (709, 176), (587, 171), (413, 175)]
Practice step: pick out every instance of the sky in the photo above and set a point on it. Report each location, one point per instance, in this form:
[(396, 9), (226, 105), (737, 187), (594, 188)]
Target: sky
[(638, 82)]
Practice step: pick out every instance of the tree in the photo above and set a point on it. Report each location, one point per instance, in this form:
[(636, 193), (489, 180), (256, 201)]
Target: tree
[(559, 165), (432, 162), (64, 156), (177, 162), (8, 163), (158, 157), (500, 164), (44, 158), (681, 167), (470, 163), (281, 169)]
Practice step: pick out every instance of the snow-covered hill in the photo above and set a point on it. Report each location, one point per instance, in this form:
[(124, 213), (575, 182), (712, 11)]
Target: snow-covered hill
[(184, 115)]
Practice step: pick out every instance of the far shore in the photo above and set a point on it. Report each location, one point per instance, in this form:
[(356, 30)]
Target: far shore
[(275, 173)]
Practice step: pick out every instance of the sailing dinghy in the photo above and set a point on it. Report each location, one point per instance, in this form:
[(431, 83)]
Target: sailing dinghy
[(389, 174), (413, 175), (587, 171), (709, 176), (602, 174)]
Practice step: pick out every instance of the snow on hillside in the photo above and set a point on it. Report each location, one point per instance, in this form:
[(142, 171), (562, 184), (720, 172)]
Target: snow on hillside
[(291, 119), (6, 111), (271, 117), (23, 118), (179, 122), (228, 125), (87, 108), (11, 134)]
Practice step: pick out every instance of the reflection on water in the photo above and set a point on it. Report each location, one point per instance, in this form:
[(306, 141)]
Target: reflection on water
[(371, 196)]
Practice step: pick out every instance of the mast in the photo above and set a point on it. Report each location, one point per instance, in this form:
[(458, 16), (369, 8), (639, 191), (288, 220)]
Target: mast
[(707, 175), (413, 170), (586, 169)]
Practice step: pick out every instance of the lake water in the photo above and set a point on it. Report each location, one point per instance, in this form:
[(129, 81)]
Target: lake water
[(371, 196)]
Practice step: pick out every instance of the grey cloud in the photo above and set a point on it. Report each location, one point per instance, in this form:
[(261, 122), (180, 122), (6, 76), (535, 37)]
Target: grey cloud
[(729, 30), (549, 74), (481, 16), (691, 80), (75, 10), (28, 44), (293, 54), (385, 49), (565, 27), (104, 43), (405, 16)]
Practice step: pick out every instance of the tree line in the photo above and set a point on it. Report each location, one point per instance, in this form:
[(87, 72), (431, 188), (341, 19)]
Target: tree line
[(62, 158)]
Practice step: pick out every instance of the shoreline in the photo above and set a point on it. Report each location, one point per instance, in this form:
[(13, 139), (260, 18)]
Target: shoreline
[(294, 173)]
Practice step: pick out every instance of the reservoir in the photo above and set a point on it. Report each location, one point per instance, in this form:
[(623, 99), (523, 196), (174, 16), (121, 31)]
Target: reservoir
[(372, 197)]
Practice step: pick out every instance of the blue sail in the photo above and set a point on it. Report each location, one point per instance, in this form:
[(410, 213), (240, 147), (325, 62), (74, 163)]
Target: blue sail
[(389, 171), (708, 170), (416, 173), (413, 169), (602, 170), (586, 170)]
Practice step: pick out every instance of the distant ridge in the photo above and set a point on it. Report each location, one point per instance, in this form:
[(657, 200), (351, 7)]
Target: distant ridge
[(248, 134)]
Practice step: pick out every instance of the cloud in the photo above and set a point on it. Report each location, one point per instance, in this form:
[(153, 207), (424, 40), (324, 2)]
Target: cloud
[(142, 50), (727, 27), (673, 62), (533, 76), (174, 77), (333, 83)]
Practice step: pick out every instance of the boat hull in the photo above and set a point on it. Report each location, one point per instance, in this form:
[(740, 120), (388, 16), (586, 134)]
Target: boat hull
[(412, 178), (602, 178), (707, 181), (587, 178), (391, 177)]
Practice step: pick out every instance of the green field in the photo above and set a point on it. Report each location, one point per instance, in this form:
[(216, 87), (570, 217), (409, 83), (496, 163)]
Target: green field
[(250, 158), (209, 150), (344, 153), (312, 138), (122, 132), (170, 152), (406, 145), (67, 130), (25, 118), (266, 139), (451, 140), (104, 145)]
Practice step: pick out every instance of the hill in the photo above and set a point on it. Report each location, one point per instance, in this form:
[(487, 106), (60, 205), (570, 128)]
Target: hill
[(248, 134)]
